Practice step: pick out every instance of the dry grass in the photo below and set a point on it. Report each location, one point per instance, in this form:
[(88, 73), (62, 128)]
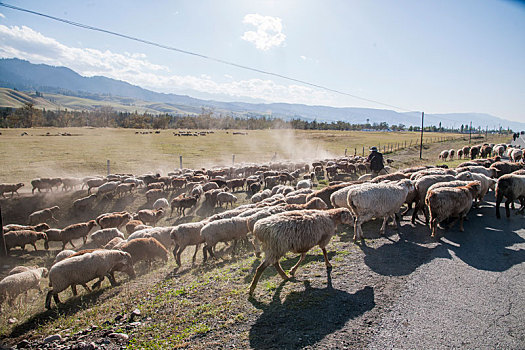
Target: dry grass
[(87, 150)]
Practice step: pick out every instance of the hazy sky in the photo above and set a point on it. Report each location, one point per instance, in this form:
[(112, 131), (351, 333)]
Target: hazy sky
[(434, 56)]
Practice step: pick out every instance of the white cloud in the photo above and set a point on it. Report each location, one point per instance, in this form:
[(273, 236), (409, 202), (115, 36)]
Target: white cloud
[(2, 15), (135, 68), (304, 58), (268, 34)]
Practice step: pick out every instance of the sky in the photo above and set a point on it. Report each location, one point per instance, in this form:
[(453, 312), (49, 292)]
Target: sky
[(444, 56)]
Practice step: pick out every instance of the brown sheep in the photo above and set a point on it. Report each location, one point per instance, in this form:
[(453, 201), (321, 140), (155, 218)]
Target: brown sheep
[(503, 168), (146, 249), (113, 219), (15, 227), (131, 226), (183, 203), (80, 230), (150, 216), (154, 194), (446, 202), (23, 237), (326, 192), (13, 188), (43, 215)]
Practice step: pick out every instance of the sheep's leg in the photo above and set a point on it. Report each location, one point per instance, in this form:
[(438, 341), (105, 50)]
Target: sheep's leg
[(461, 223), (86, 287), (507, 209), (34, 246), (234, 246), (256, 247), (414, 214), (48, 299), (98, 283), (356, 230), (433, 227), (258, 274), (111, 279), (397, 221), (383, 227), (281, 272), (74, 289), (179, 252), (194, 254), (326, 261), (296, 266)]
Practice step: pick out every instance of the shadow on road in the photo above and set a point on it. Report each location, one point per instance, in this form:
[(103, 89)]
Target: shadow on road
[(486, 245), (404, 256), (306, 317)]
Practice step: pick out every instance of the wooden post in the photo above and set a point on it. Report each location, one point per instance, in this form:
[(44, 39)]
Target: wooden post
[(470, 133), (3, 248), (346, 149), (363, 151), (422, 126), (233, 159), (355, 151), (108, 167), (180, 160)]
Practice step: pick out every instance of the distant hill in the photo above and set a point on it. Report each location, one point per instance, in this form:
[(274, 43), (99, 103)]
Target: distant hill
[(71, 90)]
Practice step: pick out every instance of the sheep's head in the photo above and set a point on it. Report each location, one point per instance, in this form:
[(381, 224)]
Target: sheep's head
[(42, 227), (55, 208), (18, 185), (43, 272), (92, 223), (125, 264)]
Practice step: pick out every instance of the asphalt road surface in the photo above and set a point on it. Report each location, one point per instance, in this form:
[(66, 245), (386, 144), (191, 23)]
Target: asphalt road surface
[(470, 295), (520, 141)]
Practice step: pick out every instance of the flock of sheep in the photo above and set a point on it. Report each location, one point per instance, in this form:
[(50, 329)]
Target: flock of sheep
[(486, 150), (285, 214)]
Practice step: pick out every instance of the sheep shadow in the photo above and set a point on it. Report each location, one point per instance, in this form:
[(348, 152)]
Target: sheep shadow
[(287, 264), (492, 251), (306, 317), (403, 256), (68, 308)]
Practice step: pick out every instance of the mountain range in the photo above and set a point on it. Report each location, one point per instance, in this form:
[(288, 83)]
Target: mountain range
[(62, 81)]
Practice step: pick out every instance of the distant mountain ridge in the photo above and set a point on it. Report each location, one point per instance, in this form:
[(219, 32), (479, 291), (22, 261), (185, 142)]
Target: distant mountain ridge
[(26, 76)]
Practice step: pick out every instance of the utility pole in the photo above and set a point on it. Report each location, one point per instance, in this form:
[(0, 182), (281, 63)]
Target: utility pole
[(486, 131), (3, 249), (421, 143), (470, 133)]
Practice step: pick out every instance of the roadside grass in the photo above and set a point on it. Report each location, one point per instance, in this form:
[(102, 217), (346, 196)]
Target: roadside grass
[(87, 150)]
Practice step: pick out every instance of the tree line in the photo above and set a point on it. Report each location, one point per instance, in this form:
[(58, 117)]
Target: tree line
[(28, 116)]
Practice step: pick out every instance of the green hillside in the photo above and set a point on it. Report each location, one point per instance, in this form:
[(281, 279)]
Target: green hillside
[(16, 99)]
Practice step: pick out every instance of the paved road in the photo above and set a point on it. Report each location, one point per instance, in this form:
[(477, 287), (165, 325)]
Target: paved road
[(470, 295)]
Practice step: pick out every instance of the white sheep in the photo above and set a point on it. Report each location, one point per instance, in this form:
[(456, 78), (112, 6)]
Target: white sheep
[(161, 203), (298, 199), (516, 155), (226, 197), (103, 236), (161, 234), (223, 230), (63, 254), (185, 235), (489, 172), (298, 232), (78, 270), (107, 188), (22, 282), (382, 200), (339, 198), (44, 215), (512, 187), (304, 184), (486, 183)]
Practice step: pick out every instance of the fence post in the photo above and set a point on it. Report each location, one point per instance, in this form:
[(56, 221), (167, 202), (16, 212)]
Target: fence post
[(346, 149), (180, 160), (363, 151), (3, 249), (355, 151), (233, 159), (108, 167)]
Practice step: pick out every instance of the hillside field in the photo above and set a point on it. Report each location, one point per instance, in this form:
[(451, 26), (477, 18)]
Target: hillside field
[(87, 150)]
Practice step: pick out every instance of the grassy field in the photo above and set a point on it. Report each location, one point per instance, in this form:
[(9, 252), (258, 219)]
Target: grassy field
[(88, 149)]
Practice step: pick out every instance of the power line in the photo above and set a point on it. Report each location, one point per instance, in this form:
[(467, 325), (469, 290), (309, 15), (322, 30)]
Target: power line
[(148, 42)]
